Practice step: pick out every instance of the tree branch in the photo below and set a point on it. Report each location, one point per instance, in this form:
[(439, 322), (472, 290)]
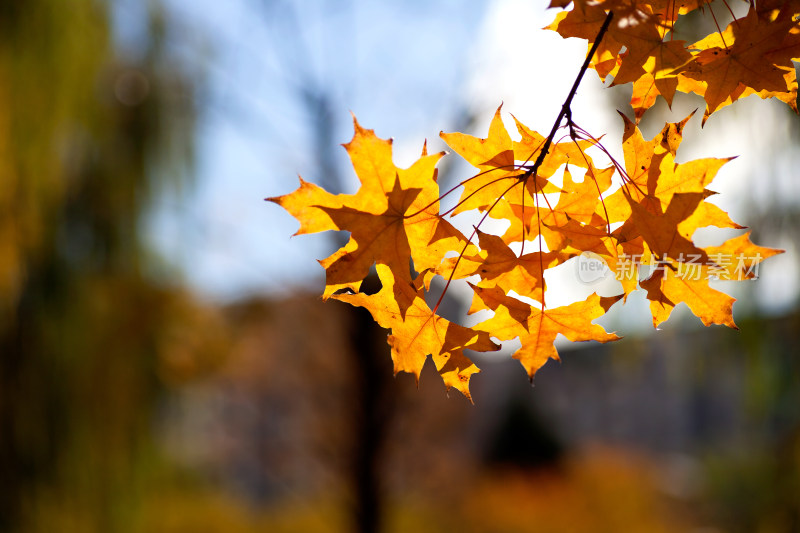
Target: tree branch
[(565, 108)]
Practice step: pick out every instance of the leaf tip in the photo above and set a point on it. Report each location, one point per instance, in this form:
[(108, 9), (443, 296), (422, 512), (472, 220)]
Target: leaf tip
[(467, 394), (607, 301), (706, 116)]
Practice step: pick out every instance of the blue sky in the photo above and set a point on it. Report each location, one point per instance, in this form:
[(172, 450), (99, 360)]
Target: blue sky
[(402, 71)]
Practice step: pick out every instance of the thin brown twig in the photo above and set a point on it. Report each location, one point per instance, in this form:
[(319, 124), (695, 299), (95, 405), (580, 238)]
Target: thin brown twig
[(565, 108)]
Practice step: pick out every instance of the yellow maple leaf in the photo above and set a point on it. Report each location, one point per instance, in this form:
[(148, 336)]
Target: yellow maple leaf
[(417, 332)]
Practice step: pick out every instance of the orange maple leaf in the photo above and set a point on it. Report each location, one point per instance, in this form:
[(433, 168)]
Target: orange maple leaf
[(584, 21), (417, 332), (537, 329), (753, 53), (653, 176), (660, 230), (499, 266), (500, 178), (706, 214), (671, 284), (742, 256), (393, 218)]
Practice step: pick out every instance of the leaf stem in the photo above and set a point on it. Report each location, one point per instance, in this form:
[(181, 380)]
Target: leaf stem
[(719, 31), (466, 245)]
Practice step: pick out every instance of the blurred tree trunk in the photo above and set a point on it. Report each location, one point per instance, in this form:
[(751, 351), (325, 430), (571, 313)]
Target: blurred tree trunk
[(375, 398)]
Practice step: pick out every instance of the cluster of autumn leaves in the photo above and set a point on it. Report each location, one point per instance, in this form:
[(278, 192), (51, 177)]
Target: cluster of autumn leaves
[(560, 207), (753, 55)]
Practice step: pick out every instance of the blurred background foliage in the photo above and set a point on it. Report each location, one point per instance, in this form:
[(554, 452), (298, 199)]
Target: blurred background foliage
[(87, 138), (129, 402)]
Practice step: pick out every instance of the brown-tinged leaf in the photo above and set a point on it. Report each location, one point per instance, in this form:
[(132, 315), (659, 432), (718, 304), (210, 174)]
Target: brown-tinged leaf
[(584, 21), (499, 266), (392, 219), (753, 53), (660, 231)]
